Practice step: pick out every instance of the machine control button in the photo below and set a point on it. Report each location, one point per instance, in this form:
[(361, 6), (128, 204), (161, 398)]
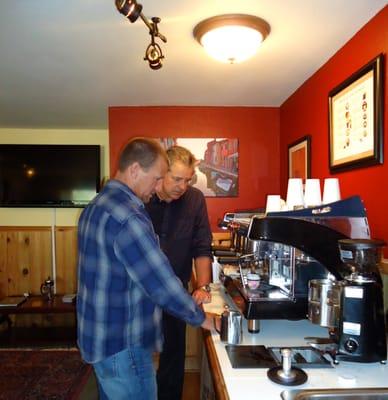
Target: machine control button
[(351, 345)]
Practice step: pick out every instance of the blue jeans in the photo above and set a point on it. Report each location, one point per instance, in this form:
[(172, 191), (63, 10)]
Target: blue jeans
[(127, 375)]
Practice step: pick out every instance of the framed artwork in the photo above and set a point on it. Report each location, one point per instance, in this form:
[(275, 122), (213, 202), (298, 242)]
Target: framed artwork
[(299, 162), (216, 173), (356, 119)]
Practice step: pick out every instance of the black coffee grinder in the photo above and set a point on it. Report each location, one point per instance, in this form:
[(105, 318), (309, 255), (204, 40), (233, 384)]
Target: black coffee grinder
[(361, 329)]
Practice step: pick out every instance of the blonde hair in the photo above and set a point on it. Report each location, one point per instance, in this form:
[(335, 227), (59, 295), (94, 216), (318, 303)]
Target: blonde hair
[(181, 154)]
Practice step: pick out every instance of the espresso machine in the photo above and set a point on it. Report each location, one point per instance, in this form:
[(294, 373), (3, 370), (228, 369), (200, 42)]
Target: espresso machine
[(290, 249), (298, 254)]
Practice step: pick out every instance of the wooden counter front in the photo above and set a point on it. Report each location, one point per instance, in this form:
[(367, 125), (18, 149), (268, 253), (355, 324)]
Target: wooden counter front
[(219, 386)]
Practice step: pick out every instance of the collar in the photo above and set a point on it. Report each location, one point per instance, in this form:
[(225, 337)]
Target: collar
[(115, 184)]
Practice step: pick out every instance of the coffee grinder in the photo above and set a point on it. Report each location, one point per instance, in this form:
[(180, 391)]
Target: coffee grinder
[(361, 328)]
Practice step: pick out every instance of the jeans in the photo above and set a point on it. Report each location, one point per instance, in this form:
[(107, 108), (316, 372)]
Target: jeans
[(127, 375)]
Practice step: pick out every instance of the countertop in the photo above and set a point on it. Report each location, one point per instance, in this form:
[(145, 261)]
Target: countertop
[(252, 383)]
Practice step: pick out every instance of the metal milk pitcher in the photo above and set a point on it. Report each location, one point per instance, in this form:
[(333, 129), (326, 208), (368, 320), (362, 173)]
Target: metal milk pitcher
[(231, 327)]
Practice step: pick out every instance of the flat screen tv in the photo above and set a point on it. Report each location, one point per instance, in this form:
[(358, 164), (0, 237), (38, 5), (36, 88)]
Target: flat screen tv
[(46, 175)]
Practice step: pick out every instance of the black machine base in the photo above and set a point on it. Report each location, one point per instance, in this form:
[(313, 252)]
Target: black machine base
[(296, 376)]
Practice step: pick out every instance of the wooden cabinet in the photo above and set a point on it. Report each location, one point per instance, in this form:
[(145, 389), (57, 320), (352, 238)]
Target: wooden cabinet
[(66, 259), (26, 259), (193, 348)]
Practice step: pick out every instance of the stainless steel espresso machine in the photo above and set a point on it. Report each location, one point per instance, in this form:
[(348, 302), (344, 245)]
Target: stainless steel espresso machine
[(290, 249)]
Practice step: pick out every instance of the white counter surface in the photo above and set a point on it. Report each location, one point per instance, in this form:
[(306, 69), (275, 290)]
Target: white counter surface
[(253, 384)]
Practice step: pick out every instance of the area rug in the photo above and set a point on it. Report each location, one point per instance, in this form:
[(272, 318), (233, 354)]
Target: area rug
[(42, 374)]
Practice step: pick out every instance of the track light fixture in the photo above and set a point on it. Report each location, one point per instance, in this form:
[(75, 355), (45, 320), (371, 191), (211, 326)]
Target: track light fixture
[(132, 10)]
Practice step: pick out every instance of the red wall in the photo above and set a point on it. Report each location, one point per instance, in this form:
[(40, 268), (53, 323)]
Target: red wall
[(306, 113), (257, 130)]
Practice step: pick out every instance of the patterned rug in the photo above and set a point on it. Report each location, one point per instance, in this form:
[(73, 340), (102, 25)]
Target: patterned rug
[(42, 374)]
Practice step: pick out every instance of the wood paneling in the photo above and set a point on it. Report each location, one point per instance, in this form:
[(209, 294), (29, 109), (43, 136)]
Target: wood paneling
[(25, 259), (193, 348), (3, 264), (191, 386), (221, 392), (66, 259)]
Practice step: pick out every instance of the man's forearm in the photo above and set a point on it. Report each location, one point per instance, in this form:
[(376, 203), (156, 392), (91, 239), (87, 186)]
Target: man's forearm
[(203, 269)]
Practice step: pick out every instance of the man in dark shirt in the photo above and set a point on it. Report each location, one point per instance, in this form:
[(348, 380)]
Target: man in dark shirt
[(179, 215)]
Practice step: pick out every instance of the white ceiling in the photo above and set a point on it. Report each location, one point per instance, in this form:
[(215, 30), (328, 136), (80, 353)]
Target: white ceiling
[(63, 62)]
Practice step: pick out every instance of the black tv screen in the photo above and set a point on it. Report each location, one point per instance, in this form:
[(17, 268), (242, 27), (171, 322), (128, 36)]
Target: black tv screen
[(36, 175)]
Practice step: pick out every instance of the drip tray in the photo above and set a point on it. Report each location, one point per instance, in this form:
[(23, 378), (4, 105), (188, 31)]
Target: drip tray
[(302, 357), (262, 357), (250, 357)]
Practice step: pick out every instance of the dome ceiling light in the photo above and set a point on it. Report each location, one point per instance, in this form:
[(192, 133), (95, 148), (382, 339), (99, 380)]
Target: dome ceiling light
[(231, 38)]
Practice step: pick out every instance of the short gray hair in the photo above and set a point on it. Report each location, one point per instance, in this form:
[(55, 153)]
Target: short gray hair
[(145, 151)]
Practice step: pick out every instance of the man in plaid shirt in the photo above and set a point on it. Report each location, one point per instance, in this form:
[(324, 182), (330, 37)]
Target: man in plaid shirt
[(125, 280)]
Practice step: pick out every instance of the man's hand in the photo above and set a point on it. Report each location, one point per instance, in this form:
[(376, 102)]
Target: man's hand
[(201, 296), (212, 321)]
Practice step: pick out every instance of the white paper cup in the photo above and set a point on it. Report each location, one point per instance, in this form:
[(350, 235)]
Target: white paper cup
[(312, 193), (253, 281), (331, 190), (295, 194), (273, 203)]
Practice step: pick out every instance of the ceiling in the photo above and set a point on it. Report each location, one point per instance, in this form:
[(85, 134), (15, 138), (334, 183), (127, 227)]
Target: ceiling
[(64, 62)]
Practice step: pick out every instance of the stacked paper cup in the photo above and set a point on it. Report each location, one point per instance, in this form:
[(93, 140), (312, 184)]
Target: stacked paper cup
[(295, 194), (331, 190), (273, 203), (310, 196), (312, 193)]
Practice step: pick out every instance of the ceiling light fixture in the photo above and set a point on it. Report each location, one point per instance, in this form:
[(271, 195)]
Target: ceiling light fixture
[(132, 10), (231, 38)]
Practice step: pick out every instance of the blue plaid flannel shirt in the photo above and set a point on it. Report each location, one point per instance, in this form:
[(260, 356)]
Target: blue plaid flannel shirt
[(124, 279)]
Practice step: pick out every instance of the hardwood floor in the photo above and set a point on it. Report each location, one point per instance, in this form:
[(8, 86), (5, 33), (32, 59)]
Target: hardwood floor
[(191, 387)]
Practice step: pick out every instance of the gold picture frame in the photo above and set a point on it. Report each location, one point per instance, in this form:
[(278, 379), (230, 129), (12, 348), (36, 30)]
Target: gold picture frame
[(299, 158), (355, 119)]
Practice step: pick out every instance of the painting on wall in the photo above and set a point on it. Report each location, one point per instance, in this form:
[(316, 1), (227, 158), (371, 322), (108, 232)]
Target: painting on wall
[(216, 173), (299, 158), (355, 119)]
